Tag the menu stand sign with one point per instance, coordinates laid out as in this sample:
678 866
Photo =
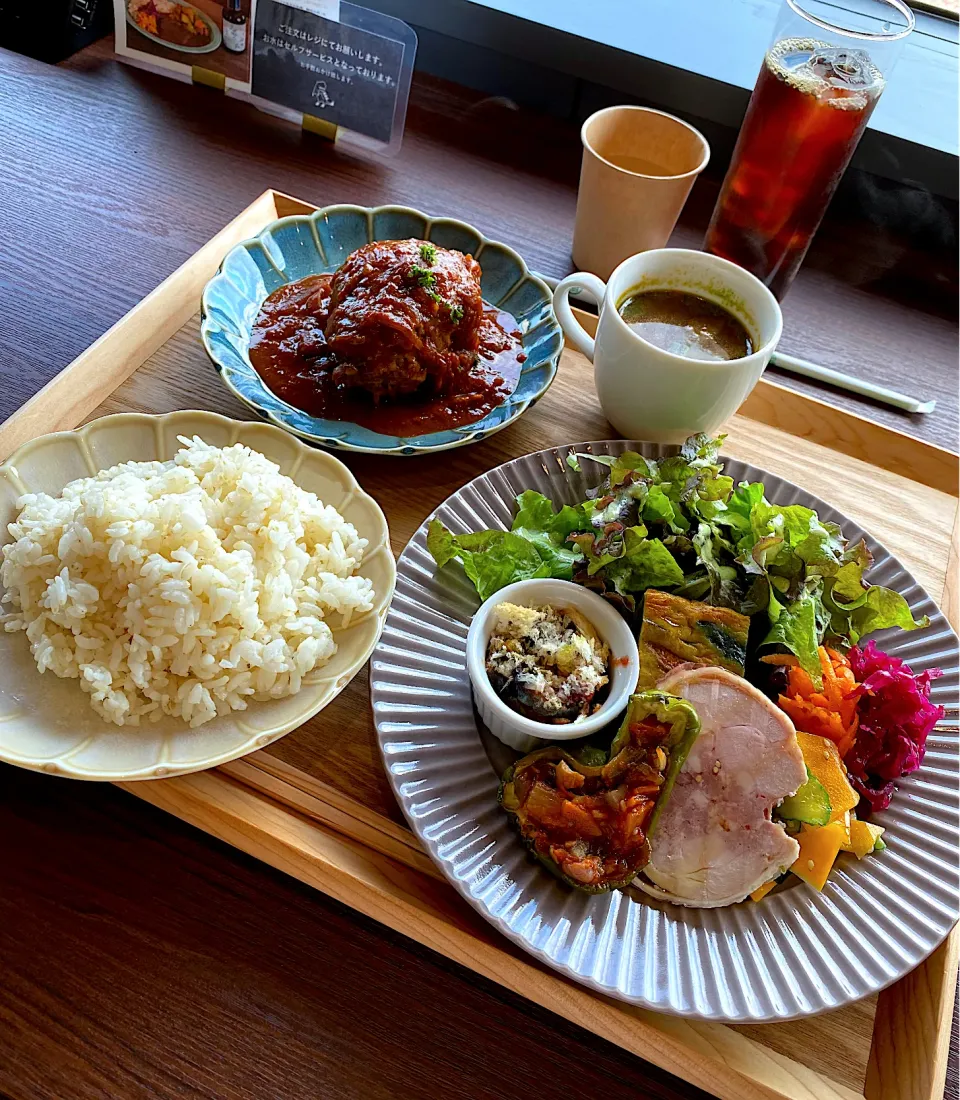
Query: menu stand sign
343 69
326 68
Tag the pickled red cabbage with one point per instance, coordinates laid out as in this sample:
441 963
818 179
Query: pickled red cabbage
896 716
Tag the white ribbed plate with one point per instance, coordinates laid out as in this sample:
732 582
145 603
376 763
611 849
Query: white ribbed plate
47 724
796 952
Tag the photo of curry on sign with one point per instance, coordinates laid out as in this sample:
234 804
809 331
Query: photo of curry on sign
177 35
353 72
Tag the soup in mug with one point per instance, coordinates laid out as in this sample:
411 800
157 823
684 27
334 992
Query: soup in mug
686 324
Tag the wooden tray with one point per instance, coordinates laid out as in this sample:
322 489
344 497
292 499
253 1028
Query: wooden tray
293 806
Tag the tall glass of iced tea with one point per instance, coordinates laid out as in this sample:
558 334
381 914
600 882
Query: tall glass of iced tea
819 83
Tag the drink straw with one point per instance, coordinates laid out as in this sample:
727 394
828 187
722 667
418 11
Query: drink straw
843 381
793 365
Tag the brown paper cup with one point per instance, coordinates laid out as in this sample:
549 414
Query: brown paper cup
638 168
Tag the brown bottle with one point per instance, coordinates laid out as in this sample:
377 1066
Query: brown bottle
234 27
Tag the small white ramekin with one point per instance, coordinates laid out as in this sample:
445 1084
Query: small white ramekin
525 734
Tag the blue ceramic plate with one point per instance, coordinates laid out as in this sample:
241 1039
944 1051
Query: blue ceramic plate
293 247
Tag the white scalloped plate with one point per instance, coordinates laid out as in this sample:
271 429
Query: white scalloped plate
796 952
47 724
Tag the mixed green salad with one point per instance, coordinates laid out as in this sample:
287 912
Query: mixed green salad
680 524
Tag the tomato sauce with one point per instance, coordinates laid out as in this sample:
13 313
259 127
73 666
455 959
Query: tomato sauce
288 351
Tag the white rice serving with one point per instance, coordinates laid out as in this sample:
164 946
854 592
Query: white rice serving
184 588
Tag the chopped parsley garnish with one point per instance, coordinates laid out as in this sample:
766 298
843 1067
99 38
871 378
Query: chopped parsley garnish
423 277
427 281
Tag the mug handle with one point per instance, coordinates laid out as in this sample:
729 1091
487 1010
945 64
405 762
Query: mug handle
583 283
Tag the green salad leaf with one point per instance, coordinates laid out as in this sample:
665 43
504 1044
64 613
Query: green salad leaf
680 523
631 564
795 628
494 559
856 608
723 577
536 520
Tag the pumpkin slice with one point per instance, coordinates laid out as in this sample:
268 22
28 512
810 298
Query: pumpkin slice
863 838
819 848
762 891
822 758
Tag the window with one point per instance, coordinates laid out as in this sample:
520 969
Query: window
697 57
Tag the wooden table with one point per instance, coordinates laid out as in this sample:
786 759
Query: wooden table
139 956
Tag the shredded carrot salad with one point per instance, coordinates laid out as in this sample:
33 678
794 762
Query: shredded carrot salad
828 712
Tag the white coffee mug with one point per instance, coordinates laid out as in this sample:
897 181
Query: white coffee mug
651 394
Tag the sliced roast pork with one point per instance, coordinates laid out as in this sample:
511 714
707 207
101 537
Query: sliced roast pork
715 841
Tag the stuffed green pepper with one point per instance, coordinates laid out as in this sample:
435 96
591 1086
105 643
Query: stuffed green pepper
590 824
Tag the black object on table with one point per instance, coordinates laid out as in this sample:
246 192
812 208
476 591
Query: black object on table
51 30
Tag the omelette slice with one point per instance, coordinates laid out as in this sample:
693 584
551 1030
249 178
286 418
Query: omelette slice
684 633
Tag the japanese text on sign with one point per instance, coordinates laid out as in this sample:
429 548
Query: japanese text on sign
358 71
